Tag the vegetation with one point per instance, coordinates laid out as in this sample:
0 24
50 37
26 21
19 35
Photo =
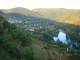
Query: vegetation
70 20
17 44
61 14
21 10
12 40
72 31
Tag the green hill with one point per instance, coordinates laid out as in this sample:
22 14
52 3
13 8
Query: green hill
12 42
48 13
17 44
56 13
71 20
21 10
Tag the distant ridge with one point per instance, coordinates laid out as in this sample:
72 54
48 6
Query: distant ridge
21 10
48 13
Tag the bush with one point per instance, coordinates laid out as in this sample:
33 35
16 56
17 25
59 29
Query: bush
35 57
29 54
53 53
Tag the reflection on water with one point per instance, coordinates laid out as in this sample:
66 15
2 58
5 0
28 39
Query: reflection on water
62 37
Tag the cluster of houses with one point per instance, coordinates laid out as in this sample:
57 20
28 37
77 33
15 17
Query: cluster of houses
14 21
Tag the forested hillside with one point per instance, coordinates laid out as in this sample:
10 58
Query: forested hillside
17 44
21 10
61 14
71 20
12 42
49 13
32 38
56 13
6 16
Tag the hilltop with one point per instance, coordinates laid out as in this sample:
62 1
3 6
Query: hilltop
48 13
21 10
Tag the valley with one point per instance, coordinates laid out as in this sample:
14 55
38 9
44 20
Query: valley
28 34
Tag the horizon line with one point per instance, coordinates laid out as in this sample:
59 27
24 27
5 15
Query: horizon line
39 8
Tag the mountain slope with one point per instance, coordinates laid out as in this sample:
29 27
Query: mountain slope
16 44
56 13
21 10
71 20
13 40
6 16
48 13
69 16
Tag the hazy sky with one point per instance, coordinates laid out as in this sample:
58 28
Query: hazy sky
31 4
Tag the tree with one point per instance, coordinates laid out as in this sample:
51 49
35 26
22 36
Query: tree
35 57
29 54
1 30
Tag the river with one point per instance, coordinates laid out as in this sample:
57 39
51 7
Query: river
62 37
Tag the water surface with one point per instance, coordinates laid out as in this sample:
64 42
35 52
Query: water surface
62 37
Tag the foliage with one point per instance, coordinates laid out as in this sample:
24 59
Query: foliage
48 13
35 57
9 33
29 54
70 20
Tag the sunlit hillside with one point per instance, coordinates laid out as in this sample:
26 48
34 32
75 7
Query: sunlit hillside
49 13
71 20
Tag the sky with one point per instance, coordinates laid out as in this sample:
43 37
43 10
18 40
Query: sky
32 4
